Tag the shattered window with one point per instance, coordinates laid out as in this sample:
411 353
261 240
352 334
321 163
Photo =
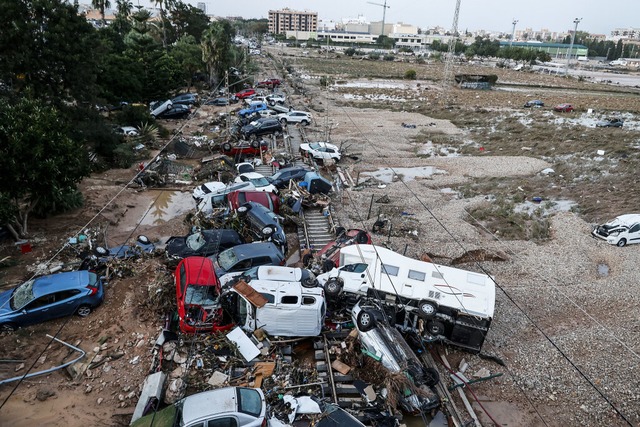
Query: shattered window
22 295
196 241
201 295
227 259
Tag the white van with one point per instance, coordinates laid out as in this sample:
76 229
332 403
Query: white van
279 308
456 305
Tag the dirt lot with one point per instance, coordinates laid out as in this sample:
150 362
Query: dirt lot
566 327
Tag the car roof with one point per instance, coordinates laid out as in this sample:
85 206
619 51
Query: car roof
627 219
208 403
248 250
45 285
200 270
252 175
281 273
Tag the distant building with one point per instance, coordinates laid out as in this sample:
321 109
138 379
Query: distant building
281 21
555 50
346 37
202 6
626 33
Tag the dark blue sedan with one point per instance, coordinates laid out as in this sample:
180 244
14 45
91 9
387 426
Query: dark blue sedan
49 297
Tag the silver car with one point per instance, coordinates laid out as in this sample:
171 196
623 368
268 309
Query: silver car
224 407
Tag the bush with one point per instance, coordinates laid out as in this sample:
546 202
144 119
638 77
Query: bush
410 75
350 51
64 200
123 156
132 115
374 56
389 57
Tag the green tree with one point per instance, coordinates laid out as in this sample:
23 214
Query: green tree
165 6
101 5
188 20
38 159
188 55
217 52
48 49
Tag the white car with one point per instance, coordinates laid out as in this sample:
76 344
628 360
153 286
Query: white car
258 180
207 188
276 98
320 150
621 231
295 117
268 113
273 273
128 131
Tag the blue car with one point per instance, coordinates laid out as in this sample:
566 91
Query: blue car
49 297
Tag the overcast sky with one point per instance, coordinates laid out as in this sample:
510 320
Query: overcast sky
598 16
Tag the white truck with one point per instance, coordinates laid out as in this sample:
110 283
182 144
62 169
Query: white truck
447 303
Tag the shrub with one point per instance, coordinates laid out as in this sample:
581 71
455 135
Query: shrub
374 56
389 57
410 75
350 51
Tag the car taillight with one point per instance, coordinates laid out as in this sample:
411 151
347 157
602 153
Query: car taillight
92 290
264 422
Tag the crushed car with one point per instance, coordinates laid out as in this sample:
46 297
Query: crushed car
620 231
202 243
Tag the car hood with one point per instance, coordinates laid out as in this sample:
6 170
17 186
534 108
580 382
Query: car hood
4 302
177 246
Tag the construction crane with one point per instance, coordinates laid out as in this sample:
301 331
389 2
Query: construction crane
384 13
448 65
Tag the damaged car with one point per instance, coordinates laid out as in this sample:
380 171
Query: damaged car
202 243
263 224
620 231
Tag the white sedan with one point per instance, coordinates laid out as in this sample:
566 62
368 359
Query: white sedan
320 150
258 180
295 117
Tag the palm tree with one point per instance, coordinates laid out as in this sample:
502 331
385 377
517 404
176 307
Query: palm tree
216 49
164 5
101 5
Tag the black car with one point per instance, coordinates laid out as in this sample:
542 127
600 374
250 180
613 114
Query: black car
243 257
177 111
281 178
610 123
186 99
265 126
263 224
217 101
535 103
202 243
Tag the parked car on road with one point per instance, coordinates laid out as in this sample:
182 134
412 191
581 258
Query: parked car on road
259 181
245 93
535 103
563 108
202 243
49 297
260 127
198 297
620 231
320 151
186 99
294 116
610 123
243 257
281 178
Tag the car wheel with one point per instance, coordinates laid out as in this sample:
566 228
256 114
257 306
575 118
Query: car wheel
7 327
255 143
283 122
226 146
242 210
431 377
333 287
268 230
365 321
307 260
428 309
435 328
304 122
309 283
362 237
328 265
621 243
272 103
99 250
84 310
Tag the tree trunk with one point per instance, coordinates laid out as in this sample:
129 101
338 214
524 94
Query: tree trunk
13 232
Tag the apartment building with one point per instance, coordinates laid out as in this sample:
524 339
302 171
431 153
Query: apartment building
281 21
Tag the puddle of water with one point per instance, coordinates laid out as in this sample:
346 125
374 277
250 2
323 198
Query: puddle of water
603 270
167 205
386 174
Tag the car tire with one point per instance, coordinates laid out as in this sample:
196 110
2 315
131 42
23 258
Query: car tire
101 251
431 377
333 287
304 122
427 309
272 103
328 265
435 328
8 327
309 283
84 310
226 147
242 210
255 143
362 237
307 260
268 230
365 321
621 243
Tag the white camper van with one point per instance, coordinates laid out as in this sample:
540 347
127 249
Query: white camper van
453 304
280 308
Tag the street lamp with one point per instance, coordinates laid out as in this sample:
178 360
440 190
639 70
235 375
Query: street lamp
513 31
573 37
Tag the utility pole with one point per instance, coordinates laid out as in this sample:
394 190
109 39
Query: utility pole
513 32
384 13
573 37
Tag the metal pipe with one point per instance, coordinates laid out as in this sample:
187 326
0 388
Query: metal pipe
46 371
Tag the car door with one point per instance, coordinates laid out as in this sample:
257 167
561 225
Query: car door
38 310
354 276
65 303
634 234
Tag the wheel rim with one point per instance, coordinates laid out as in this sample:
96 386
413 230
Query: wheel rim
365 319
622 242
427 309
84 311
332 287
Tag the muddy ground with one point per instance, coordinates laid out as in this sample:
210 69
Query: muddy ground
482 157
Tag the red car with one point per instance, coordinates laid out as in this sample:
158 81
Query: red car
563 108
329 255
271 83
267 199
198 294
244 148
245 93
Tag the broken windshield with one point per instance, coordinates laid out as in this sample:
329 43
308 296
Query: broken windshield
227 259
201 295
23 295
195 241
